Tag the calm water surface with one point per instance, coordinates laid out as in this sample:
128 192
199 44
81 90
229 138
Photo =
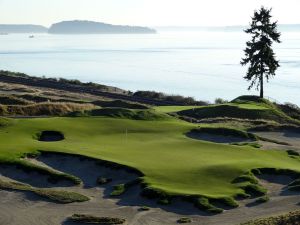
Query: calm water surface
204 65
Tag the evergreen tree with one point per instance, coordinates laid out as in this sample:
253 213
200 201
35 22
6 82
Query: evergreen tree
259 53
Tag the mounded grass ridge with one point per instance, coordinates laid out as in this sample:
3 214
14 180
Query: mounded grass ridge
244 107
122 113
43 109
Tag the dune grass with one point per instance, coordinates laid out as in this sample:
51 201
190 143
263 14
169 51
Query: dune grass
184 220
51 194
159 149
115 112
43 109
89 219
292 218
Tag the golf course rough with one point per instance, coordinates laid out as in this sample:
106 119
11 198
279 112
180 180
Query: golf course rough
170 161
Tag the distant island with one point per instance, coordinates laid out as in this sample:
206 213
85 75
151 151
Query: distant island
22 28
75 27
90 27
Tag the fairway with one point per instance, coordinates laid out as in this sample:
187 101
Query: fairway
169 160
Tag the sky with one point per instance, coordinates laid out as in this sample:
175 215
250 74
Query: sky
146 12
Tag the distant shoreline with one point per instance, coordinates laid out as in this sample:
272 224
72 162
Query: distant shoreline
75 27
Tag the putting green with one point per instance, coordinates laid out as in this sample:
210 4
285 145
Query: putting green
169 160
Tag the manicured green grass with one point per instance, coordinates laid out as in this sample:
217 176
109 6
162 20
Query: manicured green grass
169 160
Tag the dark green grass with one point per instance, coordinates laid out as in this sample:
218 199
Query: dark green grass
118 190
203 203
254 190
263 199
89 219
246 178
5 122
61 196
184 220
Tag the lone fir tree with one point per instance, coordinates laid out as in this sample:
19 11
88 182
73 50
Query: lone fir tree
259 53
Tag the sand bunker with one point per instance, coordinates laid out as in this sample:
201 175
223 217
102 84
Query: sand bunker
23 208
287 136
217 138
50 136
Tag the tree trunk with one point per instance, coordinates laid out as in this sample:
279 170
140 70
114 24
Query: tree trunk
262 85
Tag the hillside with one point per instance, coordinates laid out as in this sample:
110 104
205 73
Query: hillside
144 97
90 27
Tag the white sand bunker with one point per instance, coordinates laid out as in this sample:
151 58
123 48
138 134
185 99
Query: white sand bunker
51 136
217 138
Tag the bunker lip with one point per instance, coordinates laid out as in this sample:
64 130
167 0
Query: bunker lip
217 138
51 136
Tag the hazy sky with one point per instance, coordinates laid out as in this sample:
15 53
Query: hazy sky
145 12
